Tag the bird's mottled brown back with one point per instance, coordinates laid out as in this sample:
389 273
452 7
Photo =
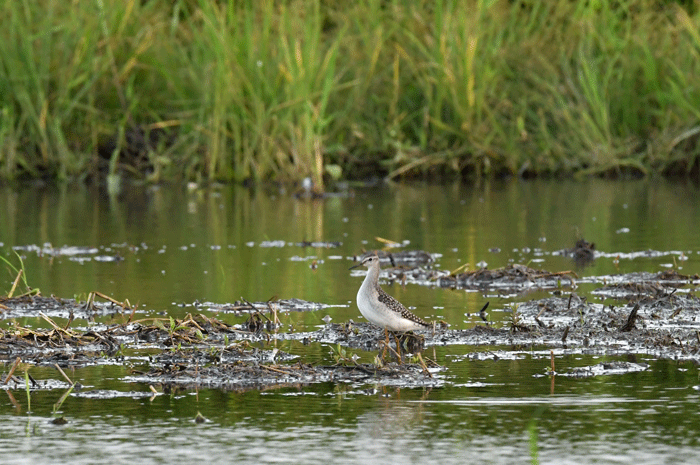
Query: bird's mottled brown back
398 307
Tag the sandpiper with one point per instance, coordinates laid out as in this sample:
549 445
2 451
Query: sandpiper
379 307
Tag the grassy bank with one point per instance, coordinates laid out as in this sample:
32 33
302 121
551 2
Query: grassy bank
205 89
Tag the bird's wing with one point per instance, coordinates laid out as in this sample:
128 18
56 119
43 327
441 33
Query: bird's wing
398 307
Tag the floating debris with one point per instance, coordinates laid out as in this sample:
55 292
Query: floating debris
41 384
634 286
75 253
281 305
45 344
201 351
240 377
320 244
273 244
667 327
512 278
112 394
33 305
281 243
406 258
237 353
583 252
66 250
606 369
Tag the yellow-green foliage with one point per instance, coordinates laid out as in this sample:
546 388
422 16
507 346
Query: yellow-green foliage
281 89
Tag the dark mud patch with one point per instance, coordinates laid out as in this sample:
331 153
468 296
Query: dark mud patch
269 308
243 376
54 307
518 279
65 346
512 278
232 354
50 346
242 365
112 394
367 337
362 336
605 369
666 327
404 258
18 382
197 351
636 286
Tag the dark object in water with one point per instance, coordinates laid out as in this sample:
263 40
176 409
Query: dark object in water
583 252
629 325
482 312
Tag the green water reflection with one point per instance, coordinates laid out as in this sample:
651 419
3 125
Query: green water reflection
217 245
179 247
605 420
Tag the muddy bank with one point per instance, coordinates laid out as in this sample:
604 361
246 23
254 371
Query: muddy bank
652 314
519 279
244 376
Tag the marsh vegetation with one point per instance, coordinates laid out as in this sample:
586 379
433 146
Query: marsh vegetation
285 90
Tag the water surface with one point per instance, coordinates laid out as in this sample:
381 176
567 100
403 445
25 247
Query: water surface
179 249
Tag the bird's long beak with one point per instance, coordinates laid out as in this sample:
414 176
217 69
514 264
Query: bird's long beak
355 266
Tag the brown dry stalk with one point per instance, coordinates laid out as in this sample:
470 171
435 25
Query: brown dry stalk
14 284
55 326
12 370
70 320
386 241
551 354
64 374
189 319
123 305
268 367
425 368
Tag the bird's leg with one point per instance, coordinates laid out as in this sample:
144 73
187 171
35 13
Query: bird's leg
398 348
386 343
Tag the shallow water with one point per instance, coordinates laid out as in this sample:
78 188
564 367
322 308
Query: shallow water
179 250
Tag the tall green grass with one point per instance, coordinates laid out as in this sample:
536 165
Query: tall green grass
260 81
285 90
